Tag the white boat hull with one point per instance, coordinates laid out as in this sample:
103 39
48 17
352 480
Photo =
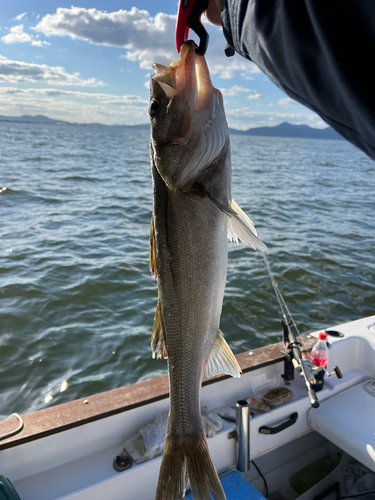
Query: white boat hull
76 463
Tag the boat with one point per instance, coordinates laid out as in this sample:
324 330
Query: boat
296 451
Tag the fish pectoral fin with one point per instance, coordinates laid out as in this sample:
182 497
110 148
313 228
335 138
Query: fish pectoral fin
153 253
240 226
222 359
157 336
197 187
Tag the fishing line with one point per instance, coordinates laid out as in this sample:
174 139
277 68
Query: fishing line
281 300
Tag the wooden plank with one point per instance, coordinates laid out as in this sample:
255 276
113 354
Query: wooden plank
82 411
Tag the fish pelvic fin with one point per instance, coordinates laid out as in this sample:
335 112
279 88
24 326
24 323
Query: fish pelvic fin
222 359
157 336
240 226
153 253
188 459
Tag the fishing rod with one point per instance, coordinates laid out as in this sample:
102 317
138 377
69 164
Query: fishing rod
296 355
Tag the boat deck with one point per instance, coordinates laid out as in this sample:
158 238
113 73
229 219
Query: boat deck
66 452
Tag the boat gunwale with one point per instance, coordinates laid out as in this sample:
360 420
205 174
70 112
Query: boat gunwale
59 418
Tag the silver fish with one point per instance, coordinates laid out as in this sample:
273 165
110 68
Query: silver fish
192 214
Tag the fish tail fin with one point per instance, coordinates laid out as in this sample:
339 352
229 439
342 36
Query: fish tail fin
172 475
188 460
202 473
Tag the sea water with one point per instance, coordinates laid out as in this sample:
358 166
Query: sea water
77 301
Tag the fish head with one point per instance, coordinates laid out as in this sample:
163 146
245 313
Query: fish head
188 124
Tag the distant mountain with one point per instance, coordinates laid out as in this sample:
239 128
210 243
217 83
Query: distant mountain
49 121
288 130
283 130
31 119
141 126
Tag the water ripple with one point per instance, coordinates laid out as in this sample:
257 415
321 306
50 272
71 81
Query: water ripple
77 300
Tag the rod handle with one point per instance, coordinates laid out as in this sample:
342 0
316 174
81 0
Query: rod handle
337 370
312 398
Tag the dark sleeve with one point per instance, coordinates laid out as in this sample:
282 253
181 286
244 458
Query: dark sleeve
319 52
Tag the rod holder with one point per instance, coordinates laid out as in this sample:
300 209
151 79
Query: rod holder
243 435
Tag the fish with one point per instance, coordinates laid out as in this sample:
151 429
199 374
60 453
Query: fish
193 212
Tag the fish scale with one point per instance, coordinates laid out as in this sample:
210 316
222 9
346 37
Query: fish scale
192 212
187 227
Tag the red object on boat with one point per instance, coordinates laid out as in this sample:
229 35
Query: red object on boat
319 353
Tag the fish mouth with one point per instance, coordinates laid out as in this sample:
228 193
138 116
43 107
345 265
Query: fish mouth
188 124
188 76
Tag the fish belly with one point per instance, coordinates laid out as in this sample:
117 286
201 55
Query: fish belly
191 243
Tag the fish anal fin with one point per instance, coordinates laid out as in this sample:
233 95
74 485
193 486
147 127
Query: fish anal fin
157 336
222 360
240 226
153 253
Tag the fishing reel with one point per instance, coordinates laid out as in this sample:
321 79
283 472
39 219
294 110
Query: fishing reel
296 357
315 373
295 354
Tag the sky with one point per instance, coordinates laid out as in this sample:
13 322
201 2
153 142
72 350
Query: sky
91 63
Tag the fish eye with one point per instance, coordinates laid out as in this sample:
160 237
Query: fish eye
154 106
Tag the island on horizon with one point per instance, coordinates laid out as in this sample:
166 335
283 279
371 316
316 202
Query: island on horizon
284 129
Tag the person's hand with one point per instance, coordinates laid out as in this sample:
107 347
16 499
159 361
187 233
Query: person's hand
213 12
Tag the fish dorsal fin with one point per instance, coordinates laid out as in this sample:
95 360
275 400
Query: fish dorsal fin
153 254
240 226
157 336
222 359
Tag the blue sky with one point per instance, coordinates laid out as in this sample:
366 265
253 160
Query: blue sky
91 63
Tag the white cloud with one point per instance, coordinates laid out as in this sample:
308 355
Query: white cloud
17 35
123 100
39 43
234 90
247 77
18 71
74 106
20 16
287 102
227 68
244 118
98 107
145 38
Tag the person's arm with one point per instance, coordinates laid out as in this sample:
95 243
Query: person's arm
320 53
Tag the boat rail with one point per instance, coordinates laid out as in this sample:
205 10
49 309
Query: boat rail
66 416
